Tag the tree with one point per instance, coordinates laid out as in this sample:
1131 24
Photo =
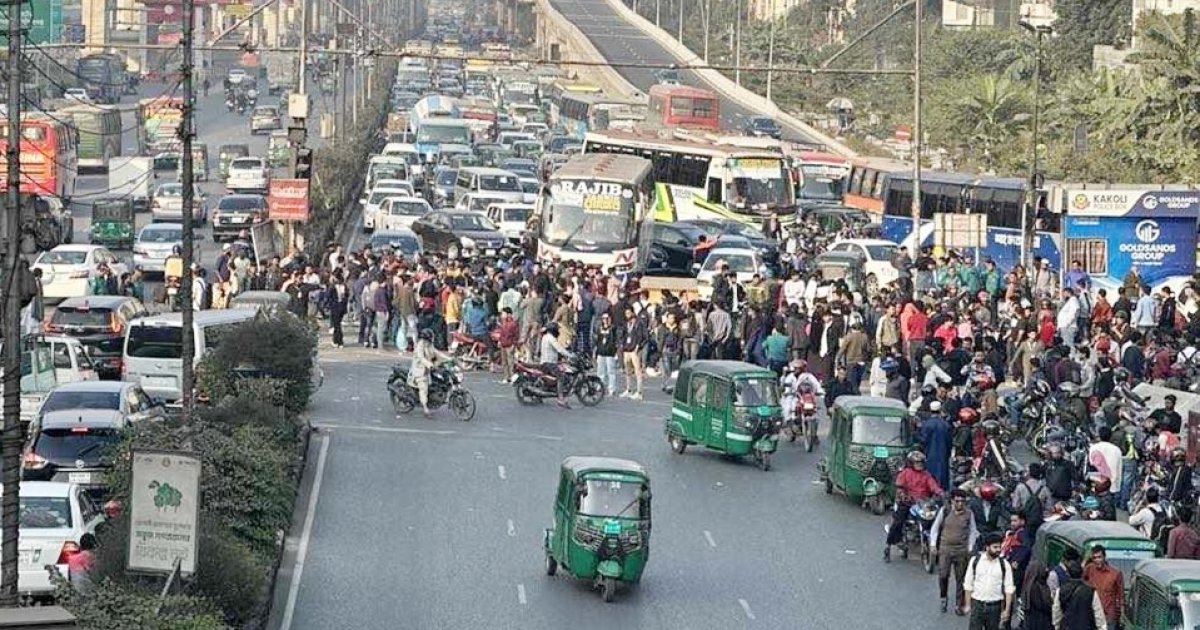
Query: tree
1083 24
992 112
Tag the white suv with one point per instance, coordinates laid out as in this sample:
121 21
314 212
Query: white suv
248 174
876 255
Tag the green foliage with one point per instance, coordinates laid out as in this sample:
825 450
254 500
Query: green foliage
121 605
278 346
1083 24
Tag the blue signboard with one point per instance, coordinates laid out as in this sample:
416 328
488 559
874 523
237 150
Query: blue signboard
1113 231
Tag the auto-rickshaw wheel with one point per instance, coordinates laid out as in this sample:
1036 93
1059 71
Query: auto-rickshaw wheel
876 505
551 564
608 588
677 443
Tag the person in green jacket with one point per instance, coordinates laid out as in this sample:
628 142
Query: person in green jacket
992 280
776 348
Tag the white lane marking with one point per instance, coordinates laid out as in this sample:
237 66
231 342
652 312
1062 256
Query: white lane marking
512 529
305 534
555 438
384 429
709 537
746 608
521 594
503 473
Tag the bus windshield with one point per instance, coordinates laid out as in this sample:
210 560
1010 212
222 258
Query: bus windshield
447 134
759 182
585 219
820 186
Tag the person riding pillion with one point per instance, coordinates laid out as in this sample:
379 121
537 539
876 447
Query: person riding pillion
551 352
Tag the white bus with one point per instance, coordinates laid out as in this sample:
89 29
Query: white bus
593 209
699 176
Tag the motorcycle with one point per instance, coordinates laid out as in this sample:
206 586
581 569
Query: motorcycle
229 104
445 388
916 532
533 384
806 417
474 353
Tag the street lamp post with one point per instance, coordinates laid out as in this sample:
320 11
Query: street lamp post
916 132
1027 222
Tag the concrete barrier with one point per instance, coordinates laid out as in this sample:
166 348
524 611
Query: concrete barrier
581 49
722 84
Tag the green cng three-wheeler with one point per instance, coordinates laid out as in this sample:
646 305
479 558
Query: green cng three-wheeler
112 223
601 526
1123 545
727 406
279 149
868 439
1163 595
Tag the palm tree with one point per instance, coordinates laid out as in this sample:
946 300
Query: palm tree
992 111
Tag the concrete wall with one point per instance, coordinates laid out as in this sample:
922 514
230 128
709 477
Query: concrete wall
726 86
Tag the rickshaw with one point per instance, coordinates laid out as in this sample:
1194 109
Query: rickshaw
279 149
1124 545
228 153
868 439
601 528
113 223
728 406
1163 594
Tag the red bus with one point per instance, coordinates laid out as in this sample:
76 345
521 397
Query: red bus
684 106
49 159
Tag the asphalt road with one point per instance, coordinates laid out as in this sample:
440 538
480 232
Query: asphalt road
435 523
622 42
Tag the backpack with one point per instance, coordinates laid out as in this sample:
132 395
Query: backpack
1160 528
1003 567
1032 509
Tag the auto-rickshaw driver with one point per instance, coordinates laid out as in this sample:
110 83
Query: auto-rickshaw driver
913 484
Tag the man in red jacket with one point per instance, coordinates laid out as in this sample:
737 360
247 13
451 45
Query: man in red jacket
913 484
508 334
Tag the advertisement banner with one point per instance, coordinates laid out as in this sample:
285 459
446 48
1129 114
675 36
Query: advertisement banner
287 200
1133 203
1159 248
164 508
41 19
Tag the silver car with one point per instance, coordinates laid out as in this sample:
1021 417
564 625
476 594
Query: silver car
158 241
167 204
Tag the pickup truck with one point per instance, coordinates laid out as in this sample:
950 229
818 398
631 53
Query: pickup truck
248 174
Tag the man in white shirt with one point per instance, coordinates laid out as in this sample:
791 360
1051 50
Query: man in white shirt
1068 317
988 587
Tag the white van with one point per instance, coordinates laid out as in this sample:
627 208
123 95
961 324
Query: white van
71 360
154 348
492 182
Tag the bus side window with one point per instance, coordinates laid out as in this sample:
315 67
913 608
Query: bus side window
714 190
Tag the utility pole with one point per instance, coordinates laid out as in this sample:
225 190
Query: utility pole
187 177
771 50
1031 196
10 448
657 12
707 23
737 44
679 36
916 132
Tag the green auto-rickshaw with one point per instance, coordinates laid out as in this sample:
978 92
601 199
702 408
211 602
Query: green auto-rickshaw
601 526
869 437
113 223
1163 595
727 406
279 149
1124 546
228 153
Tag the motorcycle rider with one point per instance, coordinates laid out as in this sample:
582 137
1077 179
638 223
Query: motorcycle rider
1106 508
913 484
1179 486
795 381
952 537
991 513
551 353
994 460
425 358
1061 474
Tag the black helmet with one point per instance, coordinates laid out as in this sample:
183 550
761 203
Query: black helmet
552 328
991 428
928 390
426 334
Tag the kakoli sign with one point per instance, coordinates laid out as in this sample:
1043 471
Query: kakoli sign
1133 202
287 200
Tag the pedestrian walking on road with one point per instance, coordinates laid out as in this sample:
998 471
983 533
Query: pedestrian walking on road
338 301
952 537
988 587
1077 606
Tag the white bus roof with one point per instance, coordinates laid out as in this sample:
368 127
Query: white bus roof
704 144
604 166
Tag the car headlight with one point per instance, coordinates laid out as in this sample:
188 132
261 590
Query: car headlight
467 242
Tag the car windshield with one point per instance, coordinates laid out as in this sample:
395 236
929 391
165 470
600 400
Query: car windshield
161 235
499 182
471 222
62 258
408 208
170 190
378 196
265 111
530 186
154 342
246 163
91 318
45 513
738 263
239 203
880 252
753 392
59 400
447 177
517 215
435 134
819 185
611 498
404 243
772 191
877 430
69 444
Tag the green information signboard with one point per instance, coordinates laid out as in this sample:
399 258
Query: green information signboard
42 20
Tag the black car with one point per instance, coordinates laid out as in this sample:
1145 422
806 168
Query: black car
671 249
724 229
460 233
236 213
763 126
99 323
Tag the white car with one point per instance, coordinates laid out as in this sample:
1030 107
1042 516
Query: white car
78 94
401 212
510 218
396 184
742 261
373 200
248 174
156 243
54 517
66 269
877 259
166 204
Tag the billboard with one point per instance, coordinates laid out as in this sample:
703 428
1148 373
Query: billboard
42 19
287 200
1115 231
164 508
